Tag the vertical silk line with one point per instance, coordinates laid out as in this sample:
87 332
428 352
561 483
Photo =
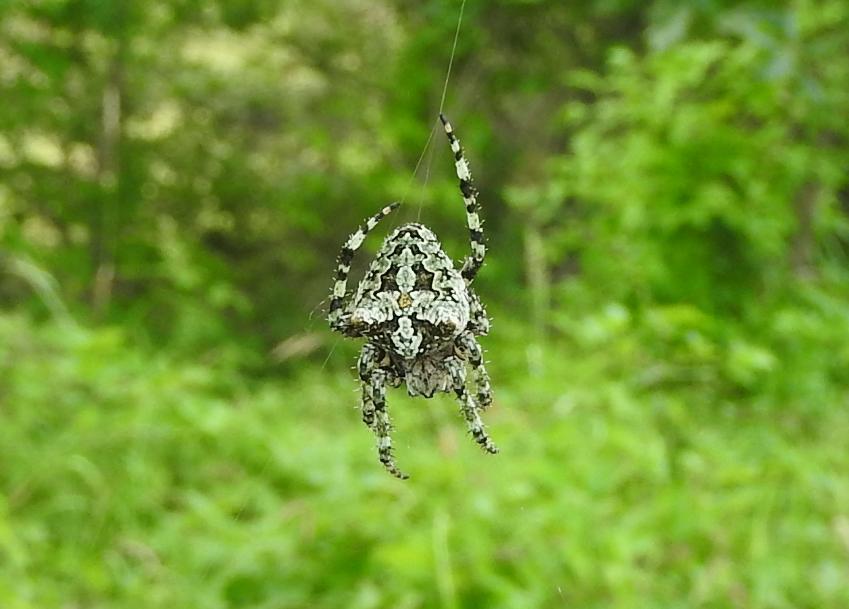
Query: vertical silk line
418 164
451 60
427 175
441 107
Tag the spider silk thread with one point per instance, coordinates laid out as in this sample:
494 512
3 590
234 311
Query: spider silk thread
428 143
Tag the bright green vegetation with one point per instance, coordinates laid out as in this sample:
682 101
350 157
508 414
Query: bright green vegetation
136 481
666 189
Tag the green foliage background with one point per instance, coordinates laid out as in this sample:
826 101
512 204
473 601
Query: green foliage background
666 193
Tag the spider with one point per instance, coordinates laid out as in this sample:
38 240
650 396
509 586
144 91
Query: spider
419 316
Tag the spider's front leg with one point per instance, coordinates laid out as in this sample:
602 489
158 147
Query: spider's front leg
470 410
470 350
338 318
473 263
375 415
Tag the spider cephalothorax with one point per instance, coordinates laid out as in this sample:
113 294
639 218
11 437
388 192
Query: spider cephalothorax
419 316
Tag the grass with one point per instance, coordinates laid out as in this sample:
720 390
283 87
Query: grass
130 479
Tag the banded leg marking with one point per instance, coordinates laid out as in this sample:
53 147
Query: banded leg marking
382 425
472 264
471 350
478 322
367 367
335 317
469 409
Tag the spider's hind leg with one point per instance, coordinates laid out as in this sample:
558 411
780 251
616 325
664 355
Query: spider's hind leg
375 415
383 427
470 350
367 365
470 409
478 319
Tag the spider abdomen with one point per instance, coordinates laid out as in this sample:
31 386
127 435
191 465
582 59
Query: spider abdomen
412 300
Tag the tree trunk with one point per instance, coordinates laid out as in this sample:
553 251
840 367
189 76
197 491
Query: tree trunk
104 240
802 245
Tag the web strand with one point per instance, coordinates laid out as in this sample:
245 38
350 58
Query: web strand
427 176
441 107
451 59
418 164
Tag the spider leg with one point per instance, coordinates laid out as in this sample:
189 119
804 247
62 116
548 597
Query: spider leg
367 365
470 410
337 319
478 319
469 349
383 427
472 264
375 414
